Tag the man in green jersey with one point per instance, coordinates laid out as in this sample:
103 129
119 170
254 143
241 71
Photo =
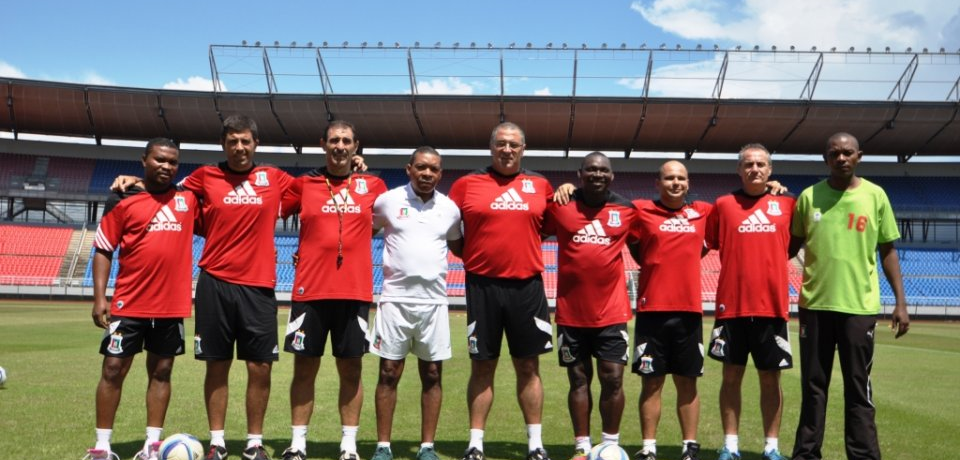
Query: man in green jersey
843 221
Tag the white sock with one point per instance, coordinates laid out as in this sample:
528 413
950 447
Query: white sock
216 438
649 446
732 443
770 445
684 444
254 440
582 443
426 445
348 443
153 435
476 439
299 439
103 438
534 440
383 444
610 437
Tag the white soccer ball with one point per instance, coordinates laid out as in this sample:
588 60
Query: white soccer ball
3 376
608 451
180 446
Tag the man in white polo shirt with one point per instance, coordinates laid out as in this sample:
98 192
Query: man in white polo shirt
419 225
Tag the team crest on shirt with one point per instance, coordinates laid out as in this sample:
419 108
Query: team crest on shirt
119 304
180 203
361 187
527 186
691 213
817 215
116 344
773 208
261 179
404 213
614 219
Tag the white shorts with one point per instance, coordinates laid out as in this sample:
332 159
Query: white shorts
420 329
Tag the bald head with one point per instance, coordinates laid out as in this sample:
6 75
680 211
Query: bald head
672 166
845 138
673 184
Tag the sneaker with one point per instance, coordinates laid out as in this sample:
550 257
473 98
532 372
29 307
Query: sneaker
291 454
725 454
100 454
382 453
427 453
644 455
473 454
255 453
691 451
538 454
344 455
580 454
774 455
216 453
150 452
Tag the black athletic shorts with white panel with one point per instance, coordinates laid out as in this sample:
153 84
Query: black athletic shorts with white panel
667 342
345 321
606 343
126 336
766 339
517 307
228 314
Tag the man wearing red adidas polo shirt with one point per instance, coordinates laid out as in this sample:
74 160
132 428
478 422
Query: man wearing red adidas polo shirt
751 229
669 320
502 208
333 285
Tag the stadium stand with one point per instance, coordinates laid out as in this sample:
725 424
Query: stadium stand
32 255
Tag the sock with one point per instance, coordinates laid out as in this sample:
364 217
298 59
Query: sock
732 443
426 445
770 445
348 443
582 443
649 446
216 438
685 442
534 440
610 437
383 444
476 439
299 439
103 438
153 435
254 440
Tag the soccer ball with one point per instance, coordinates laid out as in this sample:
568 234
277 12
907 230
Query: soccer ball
3 376
180 446
608 451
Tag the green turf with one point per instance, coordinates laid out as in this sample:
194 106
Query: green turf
50 352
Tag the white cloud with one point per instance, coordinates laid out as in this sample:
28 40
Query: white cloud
449 85
93 78
543 92
7 70
821 23
194 83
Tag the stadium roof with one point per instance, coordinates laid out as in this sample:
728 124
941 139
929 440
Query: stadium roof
650 120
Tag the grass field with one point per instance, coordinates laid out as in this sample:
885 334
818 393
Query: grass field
49 350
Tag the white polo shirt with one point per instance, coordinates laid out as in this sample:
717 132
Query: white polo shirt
415 244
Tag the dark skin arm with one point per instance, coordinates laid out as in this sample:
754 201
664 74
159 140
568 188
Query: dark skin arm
101 273
796 243
891 269
456 246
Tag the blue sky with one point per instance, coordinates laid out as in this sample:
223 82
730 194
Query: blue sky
164 44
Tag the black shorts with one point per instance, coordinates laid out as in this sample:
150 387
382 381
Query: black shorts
607 343
160 336
766 339
668 343
344 320
228 314
516 307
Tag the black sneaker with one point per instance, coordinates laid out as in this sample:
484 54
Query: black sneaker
473 454
691 451
255 453
216 453
538 454
292 454
644 455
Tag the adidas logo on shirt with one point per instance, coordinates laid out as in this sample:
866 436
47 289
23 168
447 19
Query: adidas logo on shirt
243 194
592 234
510 201
342 201
164 221
757 223
677 225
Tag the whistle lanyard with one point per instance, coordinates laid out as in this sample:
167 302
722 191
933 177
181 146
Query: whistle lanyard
337 205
